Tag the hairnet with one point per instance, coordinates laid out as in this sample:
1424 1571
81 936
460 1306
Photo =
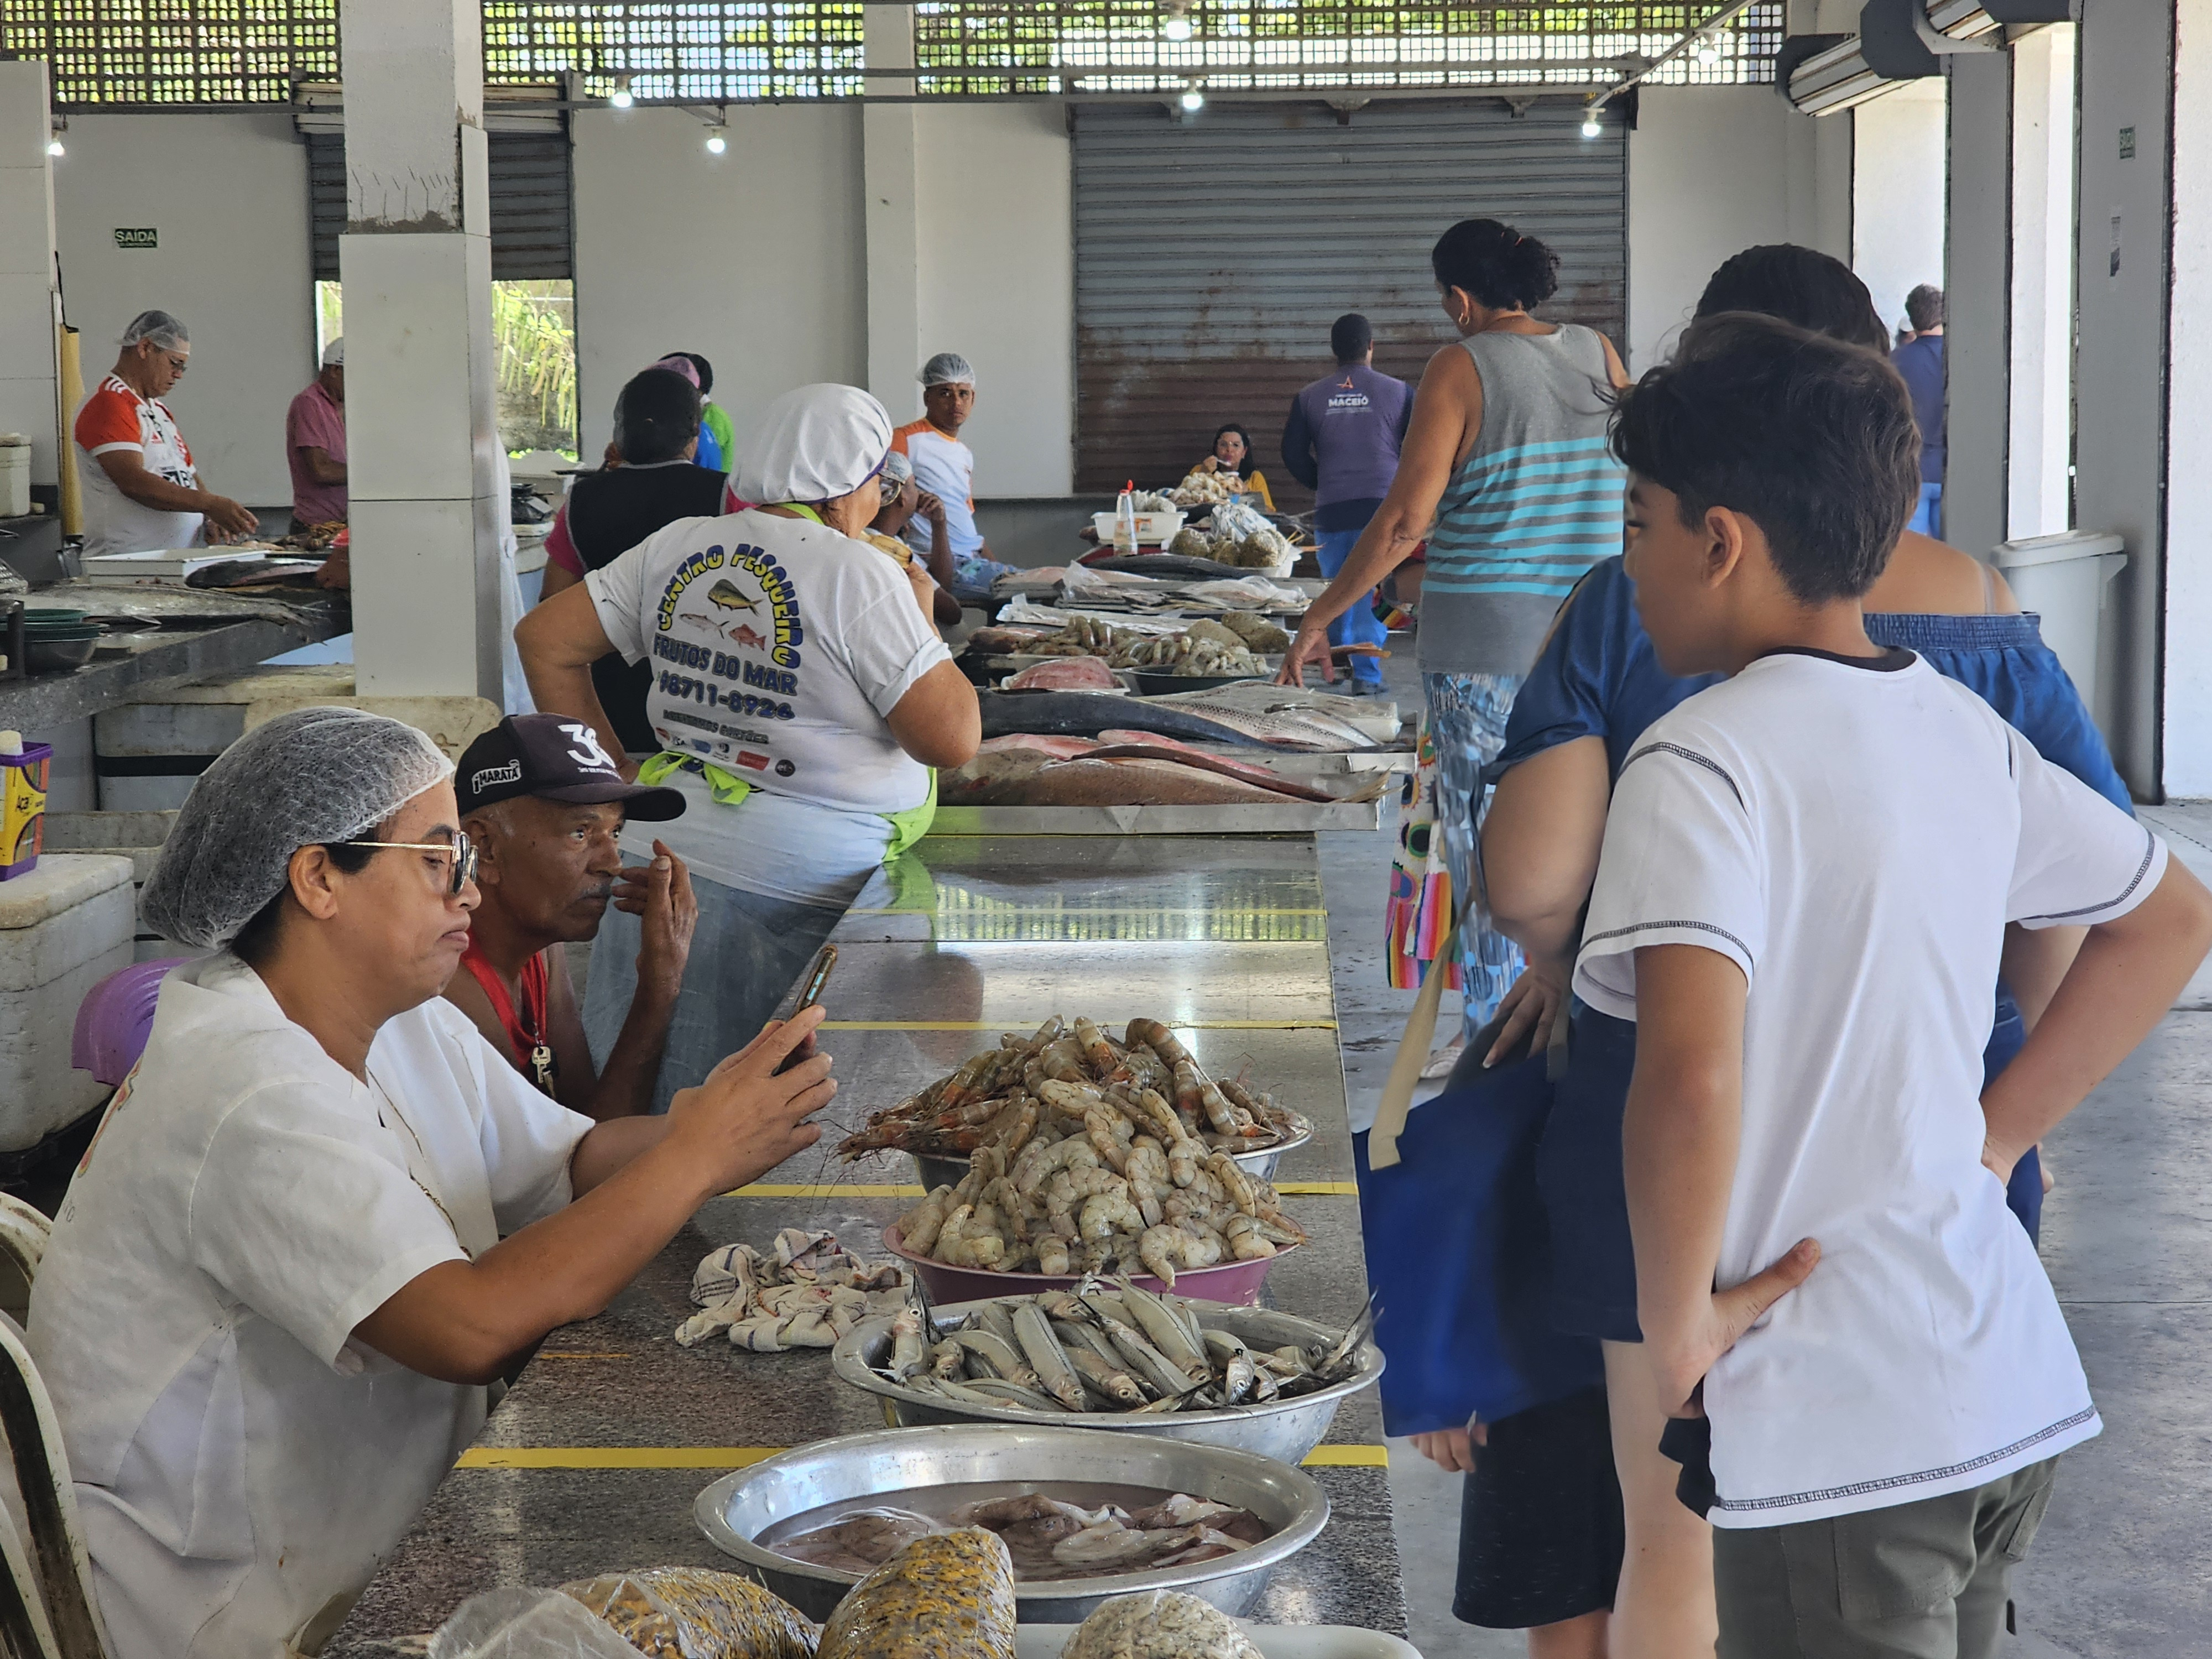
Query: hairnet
163 329
814 445
897 470
334 354
947 368
312 777
677 363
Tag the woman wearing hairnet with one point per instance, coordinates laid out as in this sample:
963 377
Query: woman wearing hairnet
322 1214
800 697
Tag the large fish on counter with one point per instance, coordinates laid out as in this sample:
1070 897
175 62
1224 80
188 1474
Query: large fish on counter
1131 773
1087 714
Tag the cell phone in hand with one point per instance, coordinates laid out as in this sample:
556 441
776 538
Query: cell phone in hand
810 993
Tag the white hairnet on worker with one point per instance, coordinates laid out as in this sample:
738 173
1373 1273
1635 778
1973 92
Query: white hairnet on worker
814 445
305 779
947 368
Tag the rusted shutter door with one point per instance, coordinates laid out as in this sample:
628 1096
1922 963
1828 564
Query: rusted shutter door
1210 258
530 196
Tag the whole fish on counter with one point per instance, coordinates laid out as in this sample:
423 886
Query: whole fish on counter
1087 713
1138 774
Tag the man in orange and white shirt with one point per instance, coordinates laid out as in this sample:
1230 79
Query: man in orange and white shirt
946 468
142 492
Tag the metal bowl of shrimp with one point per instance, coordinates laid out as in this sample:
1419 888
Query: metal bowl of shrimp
1117 1396
935 1172
1235 1282
909 1468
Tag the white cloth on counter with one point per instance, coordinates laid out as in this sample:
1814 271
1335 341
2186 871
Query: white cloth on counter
806 1293
241 1462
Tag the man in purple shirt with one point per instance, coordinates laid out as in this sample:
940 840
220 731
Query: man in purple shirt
1341 443
314 444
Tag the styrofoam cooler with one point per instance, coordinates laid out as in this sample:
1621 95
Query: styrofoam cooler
15 475
63 927
2062 579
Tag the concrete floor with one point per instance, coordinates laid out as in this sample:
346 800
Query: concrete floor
2121 1567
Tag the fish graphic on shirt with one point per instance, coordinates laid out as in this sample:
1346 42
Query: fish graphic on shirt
751 638
728 595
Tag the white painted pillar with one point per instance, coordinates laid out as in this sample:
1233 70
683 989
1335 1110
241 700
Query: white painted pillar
1898 189
1977 295
420 432
2186 768
2038 497
28 399
2127 189
889 166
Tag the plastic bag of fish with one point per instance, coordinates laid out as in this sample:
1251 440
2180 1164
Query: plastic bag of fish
1101 1348
947 1596
1047 1538
673 1613
1159 1625
807 1292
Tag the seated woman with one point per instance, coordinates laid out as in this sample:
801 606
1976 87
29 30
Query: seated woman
800 697
323 1213
1232 452
650 479
904 500
1596 688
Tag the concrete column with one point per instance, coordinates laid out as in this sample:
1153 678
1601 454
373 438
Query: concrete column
28 402
2121 370
888 164
1977 290
1897 190
421 433
2039 496
2185 769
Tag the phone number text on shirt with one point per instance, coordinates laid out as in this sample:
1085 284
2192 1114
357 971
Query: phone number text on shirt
706 691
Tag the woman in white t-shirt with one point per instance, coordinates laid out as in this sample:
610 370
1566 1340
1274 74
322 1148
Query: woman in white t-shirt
283 1275
800 697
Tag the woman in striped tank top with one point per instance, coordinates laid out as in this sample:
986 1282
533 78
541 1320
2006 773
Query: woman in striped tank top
1506 473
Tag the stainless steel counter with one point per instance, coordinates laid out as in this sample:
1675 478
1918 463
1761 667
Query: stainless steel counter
593 1459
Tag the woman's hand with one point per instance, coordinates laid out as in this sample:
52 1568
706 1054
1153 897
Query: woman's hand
1312 646
1530 1009
1452 1450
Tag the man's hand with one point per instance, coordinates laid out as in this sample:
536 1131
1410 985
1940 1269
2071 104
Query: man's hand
1453 1450
660 893
1683 1356
226 515
1312 646
746 1118
1530 1007
932 508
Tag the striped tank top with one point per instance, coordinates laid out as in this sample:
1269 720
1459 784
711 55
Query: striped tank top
1538 501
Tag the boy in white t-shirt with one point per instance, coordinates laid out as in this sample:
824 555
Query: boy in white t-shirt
1806 874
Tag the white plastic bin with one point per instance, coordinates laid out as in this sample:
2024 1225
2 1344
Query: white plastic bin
63 928
15 475
2062 579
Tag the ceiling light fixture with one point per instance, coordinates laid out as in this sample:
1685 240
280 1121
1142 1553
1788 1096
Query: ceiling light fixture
621 98
1708 52
717 140
54 146
1193 101
1591 127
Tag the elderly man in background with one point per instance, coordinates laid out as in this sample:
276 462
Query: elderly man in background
545 806
142 492
946 468
315 444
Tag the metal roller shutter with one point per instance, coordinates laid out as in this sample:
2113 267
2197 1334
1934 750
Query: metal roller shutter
532 234
1210 258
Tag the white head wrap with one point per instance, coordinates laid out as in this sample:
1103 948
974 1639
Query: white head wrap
312 776
947 368
814 445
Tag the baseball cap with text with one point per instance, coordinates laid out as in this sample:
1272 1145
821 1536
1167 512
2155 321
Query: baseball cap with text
553 758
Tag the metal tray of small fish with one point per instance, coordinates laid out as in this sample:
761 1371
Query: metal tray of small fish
1291 817
746 1502
1284 1430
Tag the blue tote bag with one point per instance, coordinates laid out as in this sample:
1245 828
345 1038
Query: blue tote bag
1458 1254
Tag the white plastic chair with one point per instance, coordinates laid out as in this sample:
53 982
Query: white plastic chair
24 1233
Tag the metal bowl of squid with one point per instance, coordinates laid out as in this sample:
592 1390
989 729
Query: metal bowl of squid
1002 1461
935 1172
1284 1430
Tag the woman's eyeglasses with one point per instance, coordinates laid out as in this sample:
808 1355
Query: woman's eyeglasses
459 847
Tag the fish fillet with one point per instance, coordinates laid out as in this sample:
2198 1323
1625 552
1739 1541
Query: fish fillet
1066 674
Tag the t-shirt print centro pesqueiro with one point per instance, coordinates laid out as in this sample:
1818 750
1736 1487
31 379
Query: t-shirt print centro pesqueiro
778 647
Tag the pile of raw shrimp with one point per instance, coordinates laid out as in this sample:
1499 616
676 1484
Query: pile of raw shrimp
1100 1176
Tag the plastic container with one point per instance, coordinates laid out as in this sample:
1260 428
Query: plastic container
15 475
1236 1282
1124 523
1153 529
2062 579
23 771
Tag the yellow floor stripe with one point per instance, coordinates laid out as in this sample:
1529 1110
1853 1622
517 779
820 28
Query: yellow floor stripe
1003 1025
743 1457
864 1189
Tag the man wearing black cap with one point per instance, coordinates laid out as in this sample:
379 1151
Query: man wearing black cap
545 805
